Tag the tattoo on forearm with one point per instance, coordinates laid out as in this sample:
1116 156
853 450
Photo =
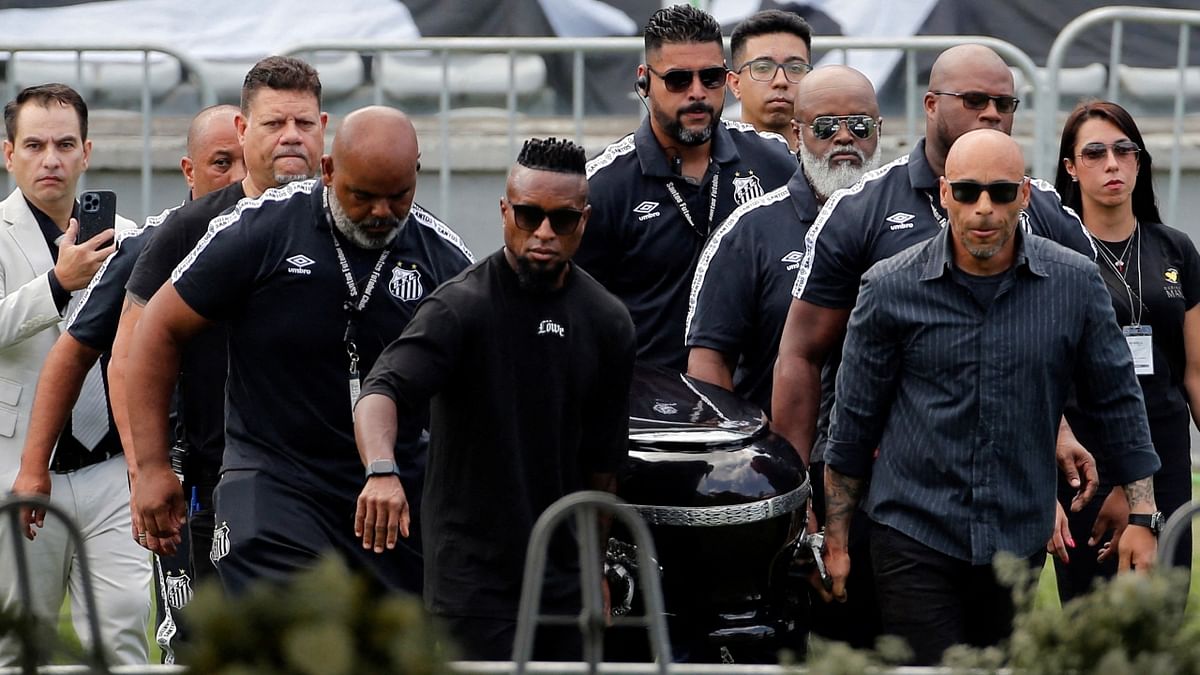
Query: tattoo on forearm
1140 492
841 497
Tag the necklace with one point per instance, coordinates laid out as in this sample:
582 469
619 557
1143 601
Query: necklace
1117 262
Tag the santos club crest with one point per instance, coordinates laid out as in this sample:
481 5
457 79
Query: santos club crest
405 284
746 188
179 590
220 544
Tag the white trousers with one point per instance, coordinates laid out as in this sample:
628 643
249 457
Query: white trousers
97 499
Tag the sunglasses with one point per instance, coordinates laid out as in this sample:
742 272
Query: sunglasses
530 218
764 70
1000 192
977 100
1093 154
678 81
825 127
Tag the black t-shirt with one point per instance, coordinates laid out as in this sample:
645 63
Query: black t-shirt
1168 266
204 361
639 242
530 394
98 313
743 284
269 269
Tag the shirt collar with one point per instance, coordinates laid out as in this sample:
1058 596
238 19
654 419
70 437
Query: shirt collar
920 174
941 256
803 197
48 227
653 158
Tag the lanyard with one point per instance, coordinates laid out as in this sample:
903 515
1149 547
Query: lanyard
353 308
687 214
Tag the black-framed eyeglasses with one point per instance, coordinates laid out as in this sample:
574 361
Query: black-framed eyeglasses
1000 192
530 218
764 70
678 81
825 127
978 100
1093 154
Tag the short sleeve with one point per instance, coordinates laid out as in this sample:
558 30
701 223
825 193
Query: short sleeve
223 267
1191 272
723 294
159 257
833 252
95 320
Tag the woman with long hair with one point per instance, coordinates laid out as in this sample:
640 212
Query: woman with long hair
1152 272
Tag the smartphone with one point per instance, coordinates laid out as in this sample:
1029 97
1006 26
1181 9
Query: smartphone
97 213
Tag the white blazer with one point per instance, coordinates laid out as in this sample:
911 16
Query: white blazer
29 322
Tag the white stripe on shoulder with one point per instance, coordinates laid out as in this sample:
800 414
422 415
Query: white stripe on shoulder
1046 186
151 222
427 219
746 127
714 244
218 224
814 231
610 154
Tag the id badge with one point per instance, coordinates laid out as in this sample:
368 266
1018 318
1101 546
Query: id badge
1140 345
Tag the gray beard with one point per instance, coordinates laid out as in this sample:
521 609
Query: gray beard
282 179
827 178
356 232
689 137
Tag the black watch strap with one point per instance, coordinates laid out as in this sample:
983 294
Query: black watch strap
382 467
1154 521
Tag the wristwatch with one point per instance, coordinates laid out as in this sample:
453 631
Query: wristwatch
382 467
1154 521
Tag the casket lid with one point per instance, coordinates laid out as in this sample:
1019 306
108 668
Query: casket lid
667 406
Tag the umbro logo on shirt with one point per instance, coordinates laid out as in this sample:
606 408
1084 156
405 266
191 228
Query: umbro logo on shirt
647 210
900 221
792 260
300 264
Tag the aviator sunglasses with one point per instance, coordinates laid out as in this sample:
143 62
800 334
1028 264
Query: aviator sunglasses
1000 192
678 81
977 100
826 126
530 218
1093 154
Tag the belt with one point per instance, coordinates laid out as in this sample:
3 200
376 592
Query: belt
67 462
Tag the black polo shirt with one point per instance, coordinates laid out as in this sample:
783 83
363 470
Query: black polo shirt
743 284
98 313
269 269
639 243
203 364
892 208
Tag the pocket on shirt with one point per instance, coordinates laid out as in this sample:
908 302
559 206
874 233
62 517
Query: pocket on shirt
10 396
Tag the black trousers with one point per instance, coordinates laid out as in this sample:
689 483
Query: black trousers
267 529
179 574
935 601
491 639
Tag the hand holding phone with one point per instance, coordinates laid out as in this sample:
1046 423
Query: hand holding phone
81 256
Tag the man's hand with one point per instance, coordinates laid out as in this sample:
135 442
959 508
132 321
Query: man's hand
1137 549
77 263
32 482
837 563
382 512
1114 516
1060 538
160 508
1078 466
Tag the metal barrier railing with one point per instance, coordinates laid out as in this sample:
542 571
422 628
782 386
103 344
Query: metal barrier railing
1044 165
30 652
207 95
581 47
586 506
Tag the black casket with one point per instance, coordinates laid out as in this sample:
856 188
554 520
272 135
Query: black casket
725 500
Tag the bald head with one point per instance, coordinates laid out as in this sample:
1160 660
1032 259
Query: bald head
377 133
837 77
372 173
985 155
214 155
966 62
